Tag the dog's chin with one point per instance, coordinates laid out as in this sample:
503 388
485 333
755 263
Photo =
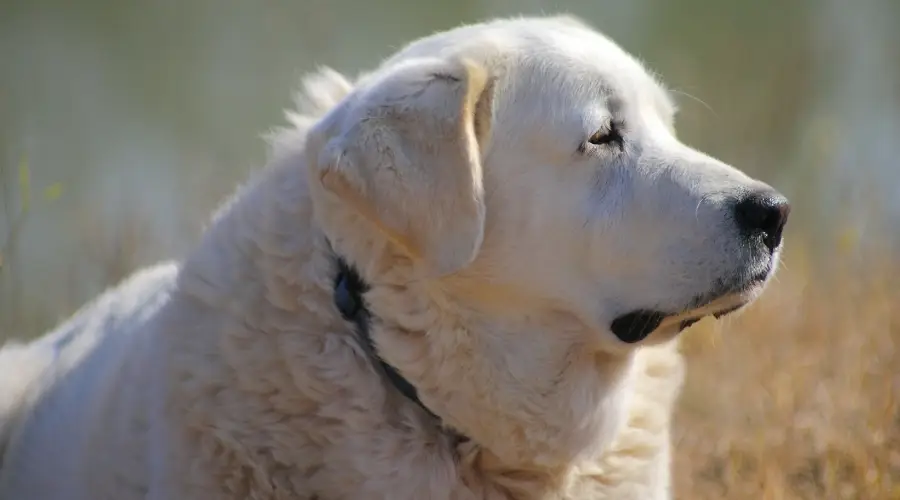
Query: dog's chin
635 326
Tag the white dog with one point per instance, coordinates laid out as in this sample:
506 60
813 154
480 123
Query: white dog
459 277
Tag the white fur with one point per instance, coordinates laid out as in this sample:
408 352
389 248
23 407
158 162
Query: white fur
499 247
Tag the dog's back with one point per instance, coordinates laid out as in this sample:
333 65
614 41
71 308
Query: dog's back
35 411
21 366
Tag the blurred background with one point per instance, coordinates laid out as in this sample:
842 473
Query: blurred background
123 124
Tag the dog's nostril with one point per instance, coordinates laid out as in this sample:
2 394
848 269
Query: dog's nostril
763 212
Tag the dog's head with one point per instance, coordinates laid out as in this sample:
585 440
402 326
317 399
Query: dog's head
528 171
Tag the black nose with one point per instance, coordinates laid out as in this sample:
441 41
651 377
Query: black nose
765 213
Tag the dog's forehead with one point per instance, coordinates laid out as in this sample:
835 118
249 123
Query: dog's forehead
582 67
551 59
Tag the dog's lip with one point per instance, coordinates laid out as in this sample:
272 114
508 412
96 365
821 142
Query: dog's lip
637 325
687 323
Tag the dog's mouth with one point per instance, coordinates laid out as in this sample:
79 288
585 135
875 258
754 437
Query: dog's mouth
637 325
724 299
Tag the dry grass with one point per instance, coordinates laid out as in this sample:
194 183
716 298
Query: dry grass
799 397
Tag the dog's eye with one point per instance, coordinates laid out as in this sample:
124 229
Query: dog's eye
607 136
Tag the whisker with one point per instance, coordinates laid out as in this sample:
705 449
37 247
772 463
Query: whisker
701 101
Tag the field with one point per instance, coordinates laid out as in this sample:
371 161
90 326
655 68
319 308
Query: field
799 396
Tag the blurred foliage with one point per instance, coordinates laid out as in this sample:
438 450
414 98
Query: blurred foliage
15 216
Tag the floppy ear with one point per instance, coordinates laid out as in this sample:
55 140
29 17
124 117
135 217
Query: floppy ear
407 158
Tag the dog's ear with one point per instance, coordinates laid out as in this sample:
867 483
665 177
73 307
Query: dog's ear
405 153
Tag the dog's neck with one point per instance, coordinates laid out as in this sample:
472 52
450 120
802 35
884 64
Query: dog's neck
542 421
538 414
349 288
520 385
